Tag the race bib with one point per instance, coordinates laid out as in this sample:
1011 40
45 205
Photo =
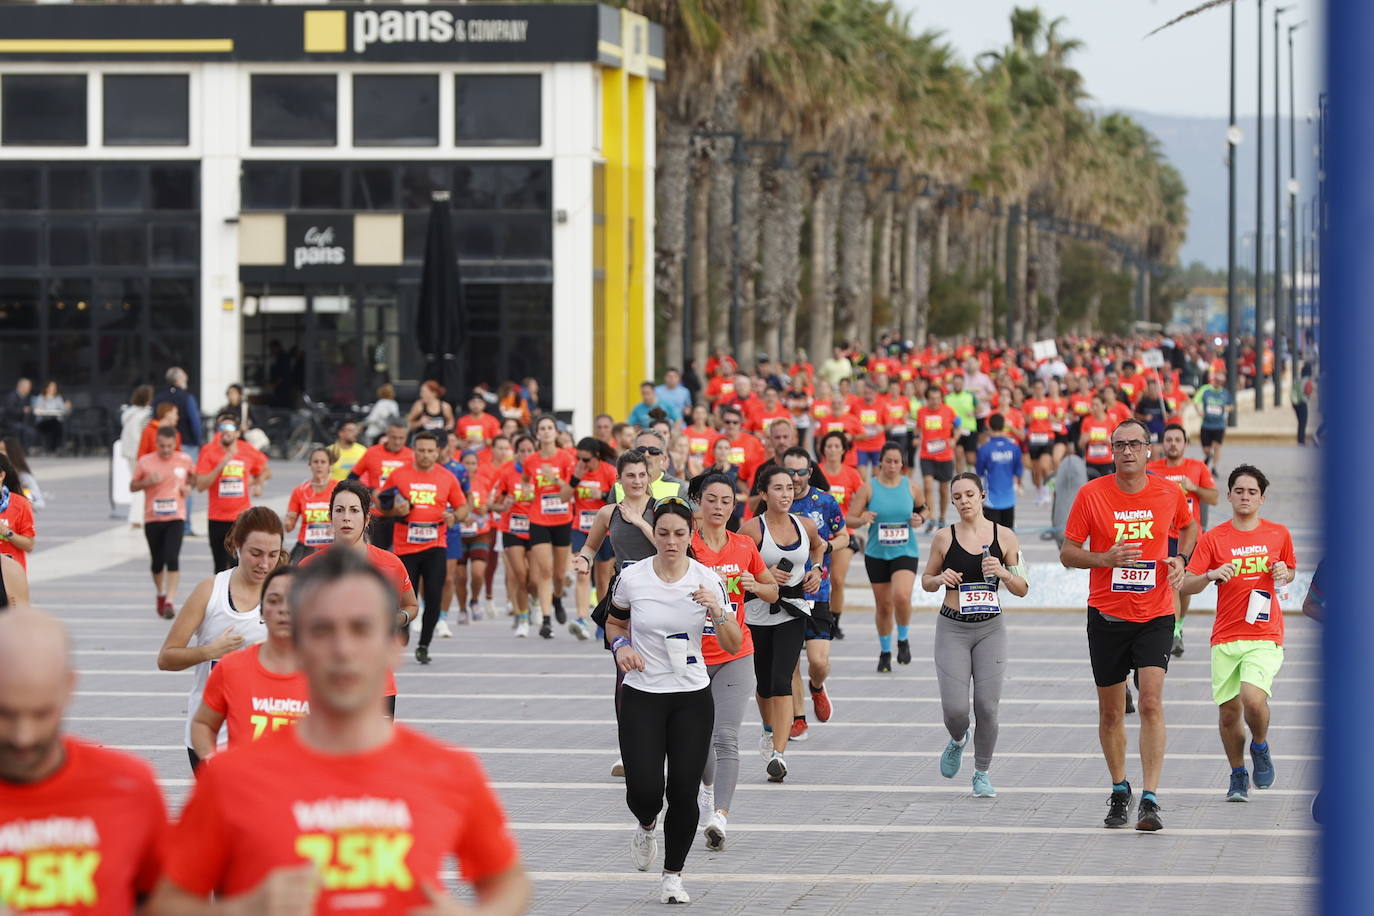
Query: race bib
697 446
318 534
166 506
1213 410
737 455
979 598
679 653
422 532
934 423
474 434
1039 438
468 529
893 534
1098 450
519 524
1134 577
553 505
585 519
937 445
1260 606
231 488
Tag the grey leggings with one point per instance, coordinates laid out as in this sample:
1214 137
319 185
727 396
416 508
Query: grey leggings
977 651
732 684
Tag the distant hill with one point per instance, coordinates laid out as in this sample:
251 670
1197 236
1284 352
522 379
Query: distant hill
1197 148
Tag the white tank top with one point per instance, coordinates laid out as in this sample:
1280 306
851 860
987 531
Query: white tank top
757 612
219 616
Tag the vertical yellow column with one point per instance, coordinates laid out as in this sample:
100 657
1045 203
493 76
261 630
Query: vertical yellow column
613 348
639 264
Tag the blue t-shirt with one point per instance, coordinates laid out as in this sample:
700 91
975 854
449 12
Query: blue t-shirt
999 464
455 467
639 416
822 509
1213 402
679 398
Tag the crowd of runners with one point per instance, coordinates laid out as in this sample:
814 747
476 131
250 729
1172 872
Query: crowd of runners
703 543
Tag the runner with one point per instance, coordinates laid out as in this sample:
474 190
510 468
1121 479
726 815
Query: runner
1095 439
430 412
594 479
844 483
1215 403
887 507
820 507
234 472
1126 517
429 500
965 407
795 550
1251 560
455 572
551 516
165 478
1151 410
346 451
14 585
736 560
338 789
374 468
17 532
1000 469
869 409
309 505
210 625
1039 411
477 428
939 429
665 605
972 559
84 825
1198 487
512 494
746 452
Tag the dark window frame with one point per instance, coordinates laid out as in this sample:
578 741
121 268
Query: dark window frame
178 136
521 140
298 81
10 81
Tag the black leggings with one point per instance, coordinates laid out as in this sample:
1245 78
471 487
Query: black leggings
776 649
428 569
676 726
164 543
217 532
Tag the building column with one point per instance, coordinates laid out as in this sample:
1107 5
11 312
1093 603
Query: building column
221 337
571 106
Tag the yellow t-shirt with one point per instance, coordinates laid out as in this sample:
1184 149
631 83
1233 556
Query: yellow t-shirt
344 460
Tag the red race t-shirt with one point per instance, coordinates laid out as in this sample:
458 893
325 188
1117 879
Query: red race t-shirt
1190 469
1081 404
477 432
229 492
19 516
385 562
872 418
845 423
377 465
746 454
592 489
86 841
430 493
738 555
512 482
1039 421
377 825
1102 515
936 425
1253 554
1099 436
549 475
700 441
312 507
843 485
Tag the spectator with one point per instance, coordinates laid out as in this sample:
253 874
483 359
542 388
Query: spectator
51 410
166 415
639 414
513 404
13 449
672 392
537 404
385 410
16 412
235 403
133 416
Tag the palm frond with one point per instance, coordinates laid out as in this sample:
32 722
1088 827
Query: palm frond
1190 13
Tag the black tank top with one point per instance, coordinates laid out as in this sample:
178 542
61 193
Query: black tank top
971 565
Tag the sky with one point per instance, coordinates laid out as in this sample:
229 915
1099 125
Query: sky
1180 71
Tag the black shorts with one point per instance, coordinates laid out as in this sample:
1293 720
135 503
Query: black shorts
509 540
1116 646
880 571
1213 436
1100 470
820 624
1036 452
776 648
1004 517
939 471
557 535
1063 438
969 443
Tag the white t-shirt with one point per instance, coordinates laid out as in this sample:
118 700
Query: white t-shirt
661 612
220 615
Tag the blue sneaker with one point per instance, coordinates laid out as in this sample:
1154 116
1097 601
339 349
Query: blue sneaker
1264 766
982 786
1240 787
952 757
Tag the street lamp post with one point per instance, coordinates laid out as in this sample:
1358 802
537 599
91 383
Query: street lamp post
1232 305
1259 210
1280 324
1293 347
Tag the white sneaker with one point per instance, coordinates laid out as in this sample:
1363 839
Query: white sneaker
715 831
474 611
777 768
442 630
706 803
672 891
522 628
766 745
488 609
415 625
643 848
578 629
618 768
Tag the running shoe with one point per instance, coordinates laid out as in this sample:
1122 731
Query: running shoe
839 634
715 831
161 603
820 702
930 526
579 629
442 630
1130 701
618 768
777 768
488 609
672 891
1177 650
706 803
982 786
522 628
1240 787
643 848
422 654
903 652
1118 808
1264 766
884 662
799 728
546 629
766 744
474 611
559 612
1147 817
168 610
953 757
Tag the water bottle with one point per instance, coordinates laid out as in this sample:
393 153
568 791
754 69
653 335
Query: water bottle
1282 592
989 578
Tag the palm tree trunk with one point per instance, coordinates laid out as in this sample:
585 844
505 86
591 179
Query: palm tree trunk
672 189
791 216
926 232
750 205
772 255
701 230
882 290
1018 327
999 271
863 317
1049 283
722 186
822 244
911 268
852 263
940 259
1033 267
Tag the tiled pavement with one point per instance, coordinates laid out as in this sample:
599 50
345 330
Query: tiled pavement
864 824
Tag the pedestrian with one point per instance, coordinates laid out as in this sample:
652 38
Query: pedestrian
593 480
550 470
1000 469
512 495
133 416
431 412
189 423
165 478
50 412
844 482
16 412
1199 488
384 411
234 472
1299 396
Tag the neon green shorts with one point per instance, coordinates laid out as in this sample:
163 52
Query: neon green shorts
1254 661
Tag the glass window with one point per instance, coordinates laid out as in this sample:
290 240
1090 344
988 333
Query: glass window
19 188
69 245
69 359
18 245
117 306
18 306
527 236
415 227
119 361
147 110
121 187
504 186
498 110
45 110
418 181
396 110
374 188
172 304
295 110
322 188
123 244
71 189
20 354
175 350
172 187
267 187
69 305
175 245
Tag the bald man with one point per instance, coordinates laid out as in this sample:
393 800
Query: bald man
80 825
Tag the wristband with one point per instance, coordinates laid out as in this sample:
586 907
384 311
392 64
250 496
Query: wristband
619 643
574 481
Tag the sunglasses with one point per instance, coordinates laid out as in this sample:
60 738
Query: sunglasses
650 450
227 427
675 501
799 472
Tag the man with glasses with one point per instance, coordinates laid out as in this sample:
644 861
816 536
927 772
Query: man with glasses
1125 518
234 472
661 484
746 452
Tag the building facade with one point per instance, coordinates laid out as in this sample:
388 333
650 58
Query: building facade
244 191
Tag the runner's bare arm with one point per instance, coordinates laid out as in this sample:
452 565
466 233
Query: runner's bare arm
936 576
205 730
1015 581
287 891
505 894
176 654
1075 556
858 514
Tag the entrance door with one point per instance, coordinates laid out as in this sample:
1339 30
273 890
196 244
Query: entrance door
296 341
